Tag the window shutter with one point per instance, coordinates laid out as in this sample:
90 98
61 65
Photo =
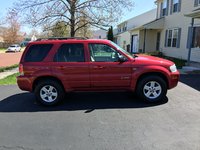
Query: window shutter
179 5
161 12
189 36
171 8
179 38
167 9
195 3
166 35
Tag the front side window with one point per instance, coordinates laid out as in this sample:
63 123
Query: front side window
196 38
70 53
36 53
103 53
172 37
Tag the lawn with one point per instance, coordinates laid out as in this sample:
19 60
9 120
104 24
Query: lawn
2 49
2 69
9 80
179 62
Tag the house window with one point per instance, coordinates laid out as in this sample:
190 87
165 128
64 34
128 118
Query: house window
175 5
119 29
164 8
172 38
124 26
196 38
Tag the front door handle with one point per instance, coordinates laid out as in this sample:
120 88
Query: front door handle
98 67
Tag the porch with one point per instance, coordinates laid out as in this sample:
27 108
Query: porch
193 34
146 38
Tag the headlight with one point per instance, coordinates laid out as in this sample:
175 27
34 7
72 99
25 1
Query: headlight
173 68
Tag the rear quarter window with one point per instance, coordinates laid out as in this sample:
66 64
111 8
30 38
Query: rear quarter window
70 53
37 53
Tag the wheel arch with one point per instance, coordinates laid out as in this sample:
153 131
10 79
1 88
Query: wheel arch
41 78
161 75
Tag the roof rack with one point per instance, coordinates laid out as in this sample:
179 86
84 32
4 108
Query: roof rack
62 38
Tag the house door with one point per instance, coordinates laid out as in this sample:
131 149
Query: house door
158 41
134 47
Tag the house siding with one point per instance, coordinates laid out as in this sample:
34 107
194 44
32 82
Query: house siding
178 20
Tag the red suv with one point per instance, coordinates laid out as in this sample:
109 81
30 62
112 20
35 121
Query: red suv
52 67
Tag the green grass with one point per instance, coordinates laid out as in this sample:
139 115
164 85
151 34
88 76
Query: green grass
3 69
179 62
9 80
3 49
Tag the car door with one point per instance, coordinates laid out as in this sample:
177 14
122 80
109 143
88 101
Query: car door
70 65
105 68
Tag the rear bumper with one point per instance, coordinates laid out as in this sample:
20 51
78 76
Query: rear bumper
24 83
174 78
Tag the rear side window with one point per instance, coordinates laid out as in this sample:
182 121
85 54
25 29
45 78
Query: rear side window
36 53
70 53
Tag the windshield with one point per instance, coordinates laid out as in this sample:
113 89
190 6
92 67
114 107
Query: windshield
121 49
13 46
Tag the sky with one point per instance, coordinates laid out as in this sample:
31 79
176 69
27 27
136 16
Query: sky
140 7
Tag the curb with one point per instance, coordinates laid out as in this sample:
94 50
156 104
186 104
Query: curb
8 73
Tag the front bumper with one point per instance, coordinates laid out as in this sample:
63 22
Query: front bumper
174 78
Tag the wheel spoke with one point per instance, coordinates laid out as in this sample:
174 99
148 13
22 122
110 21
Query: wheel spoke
43 96
158 88
148 94
44 89
152 84
50 99
146 87
54 94
51 88
155 94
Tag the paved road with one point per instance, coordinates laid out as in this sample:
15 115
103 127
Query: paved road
100 121
8 59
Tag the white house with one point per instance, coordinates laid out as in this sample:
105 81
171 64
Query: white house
130 32
179 33
99 34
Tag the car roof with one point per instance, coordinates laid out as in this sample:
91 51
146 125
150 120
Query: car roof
53 41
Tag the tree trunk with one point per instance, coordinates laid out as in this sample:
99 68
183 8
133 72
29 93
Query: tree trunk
72 26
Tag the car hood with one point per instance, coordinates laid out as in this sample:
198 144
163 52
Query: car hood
151 60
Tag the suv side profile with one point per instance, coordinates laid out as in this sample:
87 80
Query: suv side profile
52 67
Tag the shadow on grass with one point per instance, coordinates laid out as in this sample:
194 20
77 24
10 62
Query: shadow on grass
25 102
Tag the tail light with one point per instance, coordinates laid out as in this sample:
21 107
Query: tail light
21 70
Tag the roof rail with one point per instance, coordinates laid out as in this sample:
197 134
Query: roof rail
62 38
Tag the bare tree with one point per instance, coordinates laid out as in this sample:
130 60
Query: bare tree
12 34
99 13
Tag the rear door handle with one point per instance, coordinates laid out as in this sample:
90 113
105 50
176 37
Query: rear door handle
61 67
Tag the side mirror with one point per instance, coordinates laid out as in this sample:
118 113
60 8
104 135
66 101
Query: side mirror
122 59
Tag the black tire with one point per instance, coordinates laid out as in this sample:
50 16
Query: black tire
58 89
141 89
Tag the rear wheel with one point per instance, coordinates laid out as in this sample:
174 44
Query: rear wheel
152 89
49 92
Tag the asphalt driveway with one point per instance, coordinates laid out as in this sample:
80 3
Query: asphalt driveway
100 121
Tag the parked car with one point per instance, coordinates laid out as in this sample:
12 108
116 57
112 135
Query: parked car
50 68
14 48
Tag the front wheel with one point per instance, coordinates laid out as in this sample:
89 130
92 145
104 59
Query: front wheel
49 92
152 89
